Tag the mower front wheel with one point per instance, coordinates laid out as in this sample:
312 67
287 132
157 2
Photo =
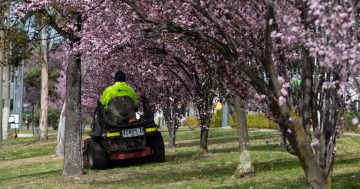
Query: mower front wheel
97 156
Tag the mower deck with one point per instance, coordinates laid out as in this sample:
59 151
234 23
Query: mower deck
126 155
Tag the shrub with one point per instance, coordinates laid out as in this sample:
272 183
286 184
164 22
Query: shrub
53 117
232 122
192 121
260 121
216 119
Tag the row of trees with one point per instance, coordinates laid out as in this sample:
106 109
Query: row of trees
13 49
26 38
246 51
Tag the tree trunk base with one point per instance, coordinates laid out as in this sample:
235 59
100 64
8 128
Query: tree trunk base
241 172
73 175
43 136
59 150
203 152
200 155
172 145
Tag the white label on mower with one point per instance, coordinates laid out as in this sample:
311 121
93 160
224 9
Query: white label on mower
133 132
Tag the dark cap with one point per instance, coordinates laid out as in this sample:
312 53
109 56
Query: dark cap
120 76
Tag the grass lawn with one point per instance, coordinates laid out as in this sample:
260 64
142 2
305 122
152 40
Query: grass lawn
28 163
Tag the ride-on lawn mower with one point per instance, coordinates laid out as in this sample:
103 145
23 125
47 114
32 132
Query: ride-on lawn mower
113 141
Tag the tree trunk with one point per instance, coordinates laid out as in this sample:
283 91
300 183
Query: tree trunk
172 135
44 105
61 129
172 131
73 165
6 109
171 125
204 133
315 177
6 73
237 109
1 89
59 150
2 60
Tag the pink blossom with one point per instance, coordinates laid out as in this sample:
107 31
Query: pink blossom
284 92
281 80
282 100
355 121
315 142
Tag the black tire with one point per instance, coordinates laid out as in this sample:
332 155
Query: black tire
156 143
97 156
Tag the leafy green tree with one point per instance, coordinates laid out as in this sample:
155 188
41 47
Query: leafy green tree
33 80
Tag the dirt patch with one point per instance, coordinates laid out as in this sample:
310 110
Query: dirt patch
20 162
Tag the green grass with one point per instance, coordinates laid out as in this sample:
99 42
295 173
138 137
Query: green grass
28 163
21 148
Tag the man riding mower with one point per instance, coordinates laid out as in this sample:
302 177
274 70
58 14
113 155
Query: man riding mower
117 134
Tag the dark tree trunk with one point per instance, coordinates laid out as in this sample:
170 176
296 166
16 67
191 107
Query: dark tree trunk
172 125
237 109
73 165
307 93
172 135
204 133
204 139
325 150
315 177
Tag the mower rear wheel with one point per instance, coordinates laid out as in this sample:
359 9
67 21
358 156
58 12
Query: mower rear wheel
156 143
97 156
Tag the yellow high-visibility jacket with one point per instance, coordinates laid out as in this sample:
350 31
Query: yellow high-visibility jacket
118 89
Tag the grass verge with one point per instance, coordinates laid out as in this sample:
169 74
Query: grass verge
28 163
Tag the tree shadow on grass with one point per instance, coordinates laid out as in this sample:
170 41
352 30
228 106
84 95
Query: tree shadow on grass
292 163
347 180
264 147
166 176
221 140
184 156
215 172
172 158
290 184
263 136
224 150
33 175
211 141
195 171
268 147
343 160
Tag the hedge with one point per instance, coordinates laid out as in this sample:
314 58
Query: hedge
258 121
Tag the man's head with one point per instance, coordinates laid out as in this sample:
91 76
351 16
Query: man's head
120 76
